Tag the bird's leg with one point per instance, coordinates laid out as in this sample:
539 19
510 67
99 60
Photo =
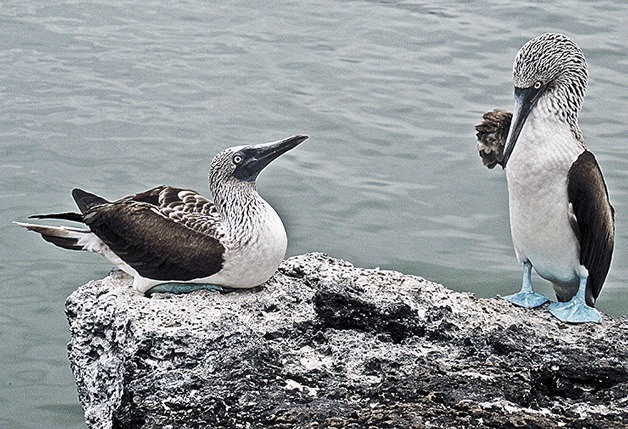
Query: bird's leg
576 309
181 288
527 297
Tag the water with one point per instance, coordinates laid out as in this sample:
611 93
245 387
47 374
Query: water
117 97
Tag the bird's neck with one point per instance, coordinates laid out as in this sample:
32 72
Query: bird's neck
547 145
563 104
239 203
553 119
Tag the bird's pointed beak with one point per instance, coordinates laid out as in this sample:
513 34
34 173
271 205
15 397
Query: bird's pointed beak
525 100
257 157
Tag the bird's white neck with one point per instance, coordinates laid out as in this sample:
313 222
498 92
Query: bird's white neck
237 202
547 142
245 216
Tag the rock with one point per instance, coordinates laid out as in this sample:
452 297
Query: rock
325 344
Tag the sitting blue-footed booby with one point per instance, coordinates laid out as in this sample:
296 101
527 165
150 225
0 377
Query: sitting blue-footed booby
561 219
179 240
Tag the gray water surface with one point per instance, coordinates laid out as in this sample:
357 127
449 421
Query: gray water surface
117 96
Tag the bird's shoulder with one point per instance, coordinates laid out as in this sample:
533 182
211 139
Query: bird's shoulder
186 207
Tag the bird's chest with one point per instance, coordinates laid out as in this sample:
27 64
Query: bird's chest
254 249
538 167
539 208
537 184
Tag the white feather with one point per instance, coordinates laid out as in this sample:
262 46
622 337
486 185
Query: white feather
539 208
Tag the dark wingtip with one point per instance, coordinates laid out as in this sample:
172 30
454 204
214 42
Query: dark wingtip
85 200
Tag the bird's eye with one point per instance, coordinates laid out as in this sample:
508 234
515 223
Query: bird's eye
537 85
237 159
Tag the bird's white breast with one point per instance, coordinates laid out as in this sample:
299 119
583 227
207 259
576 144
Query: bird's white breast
253 251
537 174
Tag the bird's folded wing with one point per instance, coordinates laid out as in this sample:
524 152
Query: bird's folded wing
594 226
164 233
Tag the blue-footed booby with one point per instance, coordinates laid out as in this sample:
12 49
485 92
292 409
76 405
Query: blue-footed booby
175 240
561 219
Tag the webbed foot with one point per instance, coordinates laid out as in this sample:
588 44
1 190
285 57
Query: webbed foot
575 311
527 299
181 288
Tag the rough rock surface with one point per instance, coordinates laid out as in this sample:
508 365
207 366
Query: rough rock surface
325 344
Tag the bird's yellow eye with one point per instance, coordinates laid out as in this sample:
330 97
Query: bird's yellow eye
237 159
537 85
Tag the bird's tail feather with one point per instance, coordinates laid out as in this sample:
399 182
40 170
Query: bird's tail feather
74 217
62 236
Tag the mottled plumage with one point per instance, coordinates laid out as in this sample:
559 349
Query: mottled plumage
173 235
561 218
491 134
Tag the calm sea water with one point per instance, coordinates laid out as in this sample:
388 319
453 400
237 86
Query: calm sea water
117 97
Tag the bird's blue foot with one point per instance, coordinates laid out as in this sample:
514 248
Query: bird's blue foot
181 288
527 299
575 311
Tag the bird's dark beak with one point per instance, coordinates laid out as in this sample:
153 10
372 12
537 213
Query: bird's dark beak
255 158
525 99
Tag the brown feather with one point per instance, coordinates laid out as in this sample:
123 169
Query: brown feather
159 235
595 220
491 134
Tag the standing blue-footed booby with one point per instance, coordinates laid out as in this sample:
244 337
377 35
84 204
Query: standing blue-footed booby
179 240
561 219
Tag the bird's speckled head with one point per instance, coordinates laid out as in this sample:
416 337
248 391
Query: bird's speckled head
223 166
239 166
548 57
554 60
550 78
